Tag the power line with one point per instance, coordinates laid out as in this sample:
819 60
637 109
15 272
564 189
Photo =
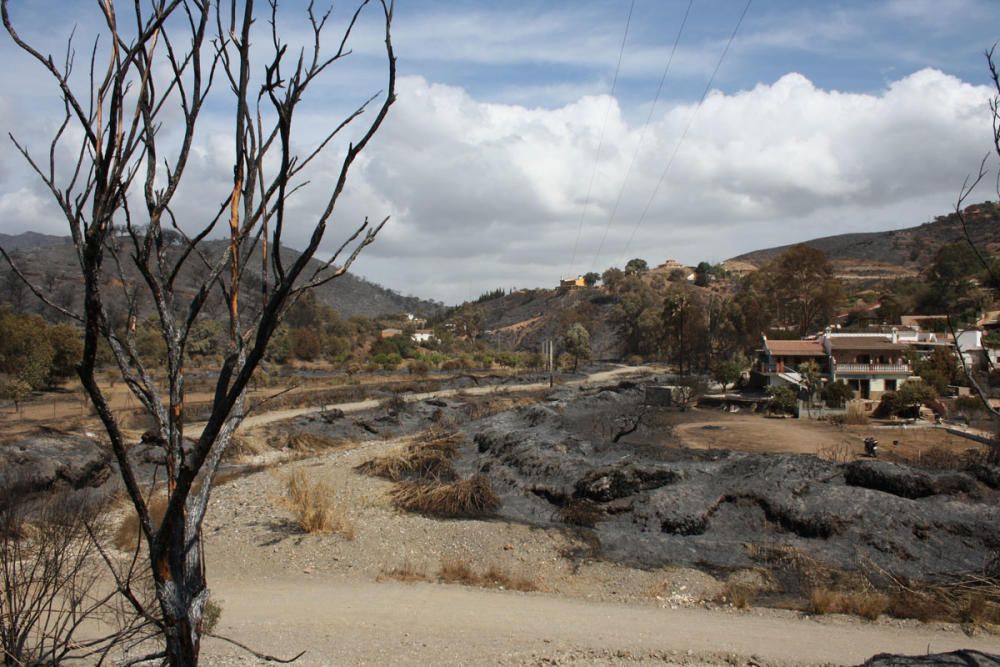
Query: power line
684 134
642 133
604 127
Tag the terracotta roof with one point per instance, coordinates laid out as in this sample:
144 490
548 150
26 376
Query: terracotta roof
796 348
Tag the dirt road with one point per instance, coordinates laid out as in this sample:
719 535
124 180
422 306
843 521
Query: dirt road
194 430
349 622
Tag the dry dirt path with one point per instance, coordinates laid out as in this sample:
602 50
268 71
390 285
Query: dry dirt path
359 623
194 430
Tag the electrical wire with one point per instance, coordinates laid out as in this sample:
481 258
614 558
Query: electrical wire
683 136
604 127
642 135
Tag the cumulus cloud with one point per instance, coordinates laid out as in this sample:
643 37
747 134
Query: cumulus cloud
487 194
490 192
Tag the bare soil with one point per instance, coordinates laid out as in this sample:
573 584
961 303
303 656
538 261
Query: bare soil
377 598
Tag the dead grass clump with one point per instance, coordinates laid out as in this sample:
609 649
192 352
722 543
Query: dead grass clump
740 596
310 443
467 498
866 604
581 512
312 505
127 535
920 606
457 571
477 408
824 601
426 458
838 453
244 447
869 605
494 577
407 573
855 414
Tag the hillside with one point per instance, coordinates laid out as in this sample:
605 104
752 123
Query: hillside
50 261
912 248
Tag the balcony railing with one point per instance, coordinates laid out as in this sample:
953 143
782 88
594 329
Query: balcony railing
873 369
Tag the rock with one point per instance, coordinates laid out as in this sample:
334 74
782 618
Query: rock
891 478
617 481
331 415
906 482
45 462
962 658
988 475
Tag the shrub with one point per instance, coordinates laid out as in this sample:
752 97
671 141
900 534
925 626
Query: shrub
781 400
836 394
211 616
419 367
310 502
468 498
52 576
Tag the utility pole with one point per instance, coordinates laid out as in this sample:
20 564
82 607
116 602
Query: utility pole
551 344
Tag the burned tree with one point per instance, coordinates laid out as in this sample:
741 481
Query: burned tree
134 118
980 385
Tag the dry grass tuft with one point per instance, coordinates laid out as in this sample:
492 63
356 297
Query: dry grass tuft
407 573
427 458
869 605
855 414
740 596
457 571
242 447
467 498
581 512
310 443
311 504
127 535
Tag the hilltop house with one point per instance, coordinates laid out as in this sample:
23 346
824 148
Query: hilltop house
572 282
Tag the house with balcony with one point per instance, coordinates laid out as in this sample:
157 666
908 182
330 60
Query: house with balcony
870 364
778 361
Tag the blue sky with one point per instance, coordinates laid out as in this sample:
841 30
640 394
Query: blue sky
825 117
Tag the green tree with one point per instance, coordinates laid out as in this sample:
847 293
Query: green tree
702 274
799 289
636 266
728 372
25 351
636 316
781 399
590 278
613 278
67 350
577 343
15 390
906 400
836 394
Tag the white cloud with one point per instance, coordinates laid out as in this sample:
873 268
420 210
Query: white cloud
487 194
484 194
